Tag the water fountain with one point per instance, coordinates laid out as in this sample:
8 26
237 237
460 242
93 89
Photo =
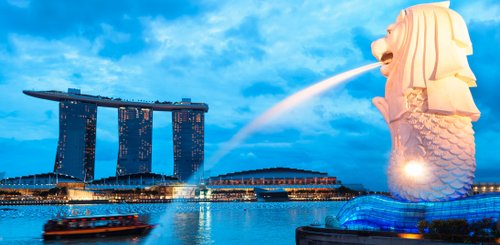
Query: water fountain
429 110
256 124
286 105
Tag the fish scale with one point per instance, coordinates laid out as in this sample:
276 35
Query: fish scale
447 143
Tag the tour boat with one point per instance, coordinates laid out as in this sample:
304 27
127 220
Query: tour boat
95 226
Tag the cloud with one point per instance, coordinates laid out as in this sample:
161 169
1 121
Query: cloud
261 88
239 57
362 39
19 3
483 11
483 63
59 18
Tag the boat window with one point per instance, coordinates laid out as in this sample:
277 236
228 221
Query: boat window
99 223
83 224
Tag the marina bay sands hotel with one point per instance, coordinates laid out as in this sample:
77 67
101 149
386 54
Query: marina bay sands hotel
77 133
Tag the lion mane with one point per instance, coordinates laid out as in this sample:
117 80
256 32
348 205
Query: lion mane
431 53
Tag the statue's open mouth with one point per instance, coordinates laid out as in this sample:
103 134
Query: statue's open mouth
386 58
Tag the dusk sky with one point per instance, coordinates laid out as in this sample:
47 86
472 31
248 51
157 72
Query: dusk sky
239 57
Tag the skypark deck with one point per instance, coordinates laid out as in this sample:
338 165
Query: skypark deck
115 102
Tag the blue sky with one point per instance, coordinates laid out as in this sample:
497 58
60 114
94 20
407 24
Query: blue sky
240 57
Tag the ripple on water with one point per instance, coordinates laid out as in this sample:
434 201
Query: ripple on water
191 223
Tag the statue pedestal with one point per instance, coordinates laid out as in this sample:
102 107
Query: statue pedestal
381 213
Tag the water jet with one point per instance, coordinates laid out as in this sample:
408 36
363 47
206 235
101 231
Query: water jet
286 105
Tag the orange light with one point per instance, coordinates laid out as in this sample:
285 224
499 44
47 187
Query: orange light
410 236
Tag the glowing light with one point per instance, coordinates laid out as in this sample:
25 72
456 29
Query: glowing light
414 169
410 236
287 104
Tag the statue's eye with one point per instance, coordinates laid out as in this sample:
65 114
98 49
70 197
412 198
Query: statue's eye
389 31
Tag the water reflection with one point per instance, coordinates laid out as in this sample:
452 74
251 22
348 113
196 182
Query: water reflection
186 228
204 227
188 223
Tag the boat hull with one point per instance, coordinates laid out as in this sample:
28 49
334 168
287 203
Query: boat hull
98 232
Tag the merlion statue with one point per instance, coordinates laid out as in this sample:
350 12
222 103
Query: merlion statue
428 105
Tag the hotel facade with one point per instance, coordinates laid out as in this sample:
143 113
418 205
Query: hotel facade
188 133
77 134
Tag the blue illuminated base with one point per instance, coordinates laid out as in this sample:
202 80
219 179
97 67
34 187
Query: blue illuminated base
375 212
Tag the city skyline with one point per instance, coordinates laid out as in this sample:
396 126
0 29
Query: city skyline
77 134
239 58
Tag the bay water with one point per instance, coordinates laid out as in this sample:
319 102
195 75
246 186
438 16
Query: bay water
191 223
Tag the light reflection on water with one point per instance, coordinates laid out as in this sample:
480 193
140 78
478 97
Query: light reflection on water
192 223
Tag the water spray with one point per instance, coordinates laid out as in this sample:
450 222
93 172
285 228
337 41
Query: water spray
286 105
272 113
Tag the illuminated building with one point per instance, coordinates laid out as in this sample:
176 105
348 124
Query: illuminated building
135 137
77 133
35 181
188 132
485 187
76 146
274 176
132 181
298 183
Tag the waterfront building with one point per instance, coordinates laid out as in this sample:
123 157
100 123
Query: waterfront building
132 181
77 136
273 176
135 126
141 186
61 188
299 184
188 133
485 187
46 180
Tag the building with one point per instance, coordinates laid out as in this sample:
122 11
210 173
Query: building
273 177
188 133
299 184
135 126
485 187
77 136
131 181
47 180
78 114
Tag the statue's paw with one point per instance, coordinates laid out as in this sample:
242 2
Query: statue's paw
383 107
332 221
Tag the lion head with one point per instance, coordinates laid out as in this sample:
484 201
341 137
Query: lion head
427 47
